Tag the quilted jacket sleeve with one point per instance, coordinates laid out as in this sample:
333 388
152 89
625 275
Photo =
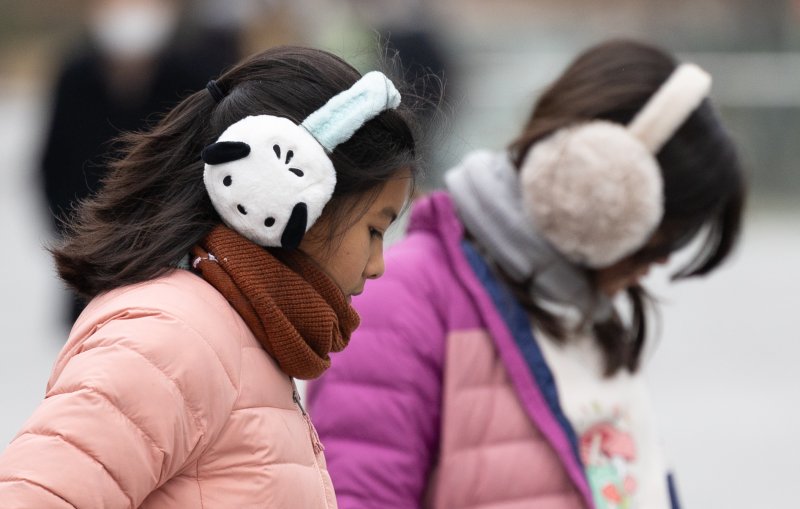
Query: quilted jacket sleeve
377 409
122 415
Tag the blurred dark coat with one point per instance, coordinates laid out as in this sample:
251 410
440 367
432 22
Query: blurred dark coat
86 116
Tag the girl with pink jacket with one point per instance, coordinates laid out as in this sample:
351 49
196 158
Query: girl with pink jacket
498 364
219 258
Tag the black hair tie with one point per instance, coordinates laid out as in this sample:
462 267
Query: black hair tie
216 92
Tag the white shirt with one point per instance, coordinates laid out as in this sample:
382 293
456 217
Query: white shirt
614 423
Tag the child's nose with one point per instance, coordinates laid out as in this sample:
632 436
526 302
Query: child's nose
376 266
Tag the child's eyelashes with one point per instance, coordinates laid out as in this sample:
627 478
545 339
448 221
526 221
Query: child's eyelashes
375 233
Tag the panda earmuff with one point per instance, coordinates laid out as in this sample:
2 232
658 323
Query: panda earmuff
595 190
269 178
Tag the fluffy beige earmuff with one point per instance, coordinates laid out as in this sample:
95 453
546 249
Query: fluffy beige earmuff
594 190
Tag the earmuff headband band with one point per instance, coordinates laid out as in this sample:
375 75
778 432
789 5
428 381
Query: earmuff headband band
346 112
670 106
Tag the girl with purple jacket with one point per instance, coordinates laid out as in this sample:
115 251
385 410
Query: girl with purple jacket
498 364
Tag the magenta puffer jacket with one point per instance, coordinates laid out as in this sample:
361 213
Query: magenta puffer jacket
163 398
432 404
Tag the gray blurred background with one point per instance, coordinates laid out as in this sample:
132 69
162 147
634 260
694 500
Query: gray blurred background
724 372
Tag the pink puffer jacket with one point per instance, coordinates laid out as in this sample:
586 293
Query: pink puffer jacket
162 398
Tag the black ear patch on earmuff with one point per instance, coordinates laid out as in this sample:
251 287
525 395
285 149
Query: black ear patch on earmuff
225 152
295 227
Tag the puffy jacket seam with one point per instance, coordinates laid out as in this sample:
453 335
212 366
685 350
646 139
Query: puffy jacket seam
492 503
117 408
244 330
40 486
237 386
323 491
498 443
199 484
290 463
166 313
198 422
318 468
260 407
85 453
186 404
210 347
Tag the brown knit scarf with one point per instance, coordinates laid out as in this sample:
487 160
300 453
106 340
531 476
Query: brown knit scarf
295 310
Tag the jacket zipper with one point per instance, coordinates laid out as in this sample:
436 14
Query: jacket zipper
316 443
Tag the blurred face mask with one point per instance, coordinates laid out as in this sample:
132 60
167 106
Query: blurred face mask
133 30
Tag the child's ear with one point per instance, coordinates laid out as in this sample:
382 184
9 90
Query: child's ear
224 152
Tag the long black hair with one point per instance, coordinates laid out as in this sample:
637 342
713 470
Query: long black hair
153 206
704 187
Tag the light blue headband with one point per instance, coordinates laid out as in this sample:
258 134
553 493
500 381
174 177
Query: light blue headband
269 178
344 113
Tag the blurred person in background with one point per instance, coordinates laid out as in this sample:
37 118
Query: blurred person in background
250 26
131 68
411 31
219 257
500 359
412 35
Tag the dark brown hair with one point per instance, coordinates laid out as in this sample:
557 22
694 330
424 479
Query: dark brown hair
153 206
704 189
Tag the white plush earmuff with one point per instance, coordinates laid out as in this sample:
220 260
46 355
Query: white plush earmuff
279 186
269 178
594 190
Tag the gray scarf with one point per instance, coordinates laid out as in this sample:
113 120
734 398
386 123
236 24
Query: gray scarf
485 190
